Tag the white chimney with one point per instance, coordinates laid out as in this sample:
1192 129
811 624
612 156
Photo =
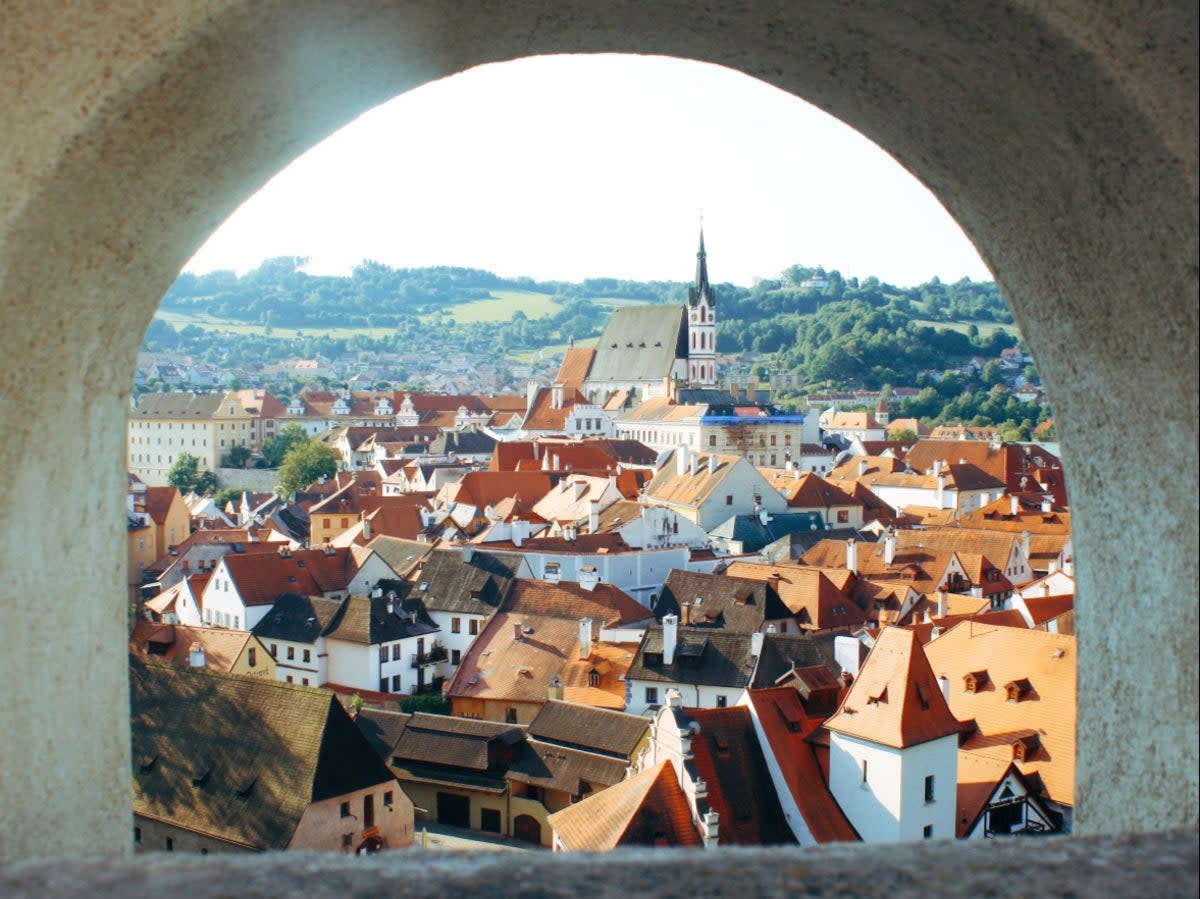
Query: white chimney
518 531
1014 506
943 604
944 683
552 575
693 463
517 631
937 467
196 656
594 516
366 527
852 556
675 699
556 396
756 642
589 577
681 461
1046 507
862 467
670 626
569 533
889 546
531 391
1045 588
468 551
712 463
940 496
847 652
578 489
585 637
711 826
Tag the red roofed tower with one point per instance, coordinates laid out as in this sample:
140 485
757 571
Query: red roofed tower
893 751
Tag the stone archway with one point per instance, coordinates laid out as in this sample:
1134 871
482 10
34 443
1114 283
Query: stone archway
1062 138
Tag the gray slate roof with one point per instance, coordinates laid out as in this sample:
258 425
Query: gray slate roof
782 652
299 619
750 531
730 603
640 343
703 656
240 758
591 729
477 587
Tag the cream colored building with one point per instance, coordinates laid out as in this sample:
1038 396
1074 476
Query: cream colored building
164 426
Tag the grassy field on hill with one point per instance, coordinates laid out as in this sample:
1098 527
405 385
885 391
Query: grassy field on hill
180 320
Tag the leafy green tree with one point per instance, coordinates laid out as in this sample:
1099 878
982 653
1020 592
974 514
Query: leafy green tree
903 434
275 449
992 373
305 463
184 473
237 457
206 483
228 495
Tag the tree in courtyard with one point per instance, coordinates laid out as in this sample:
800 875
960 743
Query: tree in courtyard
206 483
274 450
237 457
304 464
184 473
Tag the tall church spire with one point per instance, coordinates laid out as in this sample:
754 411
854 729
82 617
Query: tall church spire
702 325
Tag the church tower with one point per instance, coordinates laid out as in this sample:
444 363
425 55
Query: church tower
702 326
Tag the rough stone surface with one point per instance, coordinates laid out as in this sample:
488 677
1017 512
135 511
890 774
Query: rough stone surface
1062 136
1161 865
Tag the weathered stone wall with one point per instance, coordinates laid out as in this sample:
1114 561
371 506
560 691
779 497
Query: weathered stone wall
1063 137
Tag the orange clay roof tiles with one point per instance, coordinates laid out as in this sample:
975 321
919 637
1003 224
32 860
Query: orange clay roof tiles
896 699
1048 662
649 809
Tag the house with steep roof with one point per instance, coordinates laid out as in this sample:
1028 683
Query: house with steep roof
709 489
648 809
293 631
809 492
243 588
722 771
214 648
1024 469
453 768
460 590
227 763
785 720
813 600
710 668
156 518
642 525
893 746
200 551
848 425
546 643
563 410
1018 686
722 601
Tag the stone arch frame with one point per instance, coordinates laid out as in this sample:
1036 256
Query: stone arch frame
1062 138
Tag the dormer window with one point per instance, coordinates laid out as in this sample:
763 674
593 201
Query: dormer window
1023 748
1018 689
974 681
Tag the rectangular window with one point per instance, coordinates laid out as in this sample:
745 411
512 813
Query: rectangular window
304 681
651 695
170 845
395 683
843 516
137 835
929 788
927 832
456 625
395 652
473 627
722 701
344 809
274 650
290 679
510 716
455 656
291 653
388 799
252 657
489 820
712 439
308 655
864 771
729 499
383 653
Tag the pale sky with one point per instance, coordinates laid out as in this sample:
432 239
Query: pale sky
568 167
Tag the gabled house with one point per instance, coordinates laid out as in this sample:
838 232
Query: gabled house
893 750
809 492
212 648
294 633
709 489
785 719
226 763
722 601
814 602
722 771
649 809
544 643
243 588
384 642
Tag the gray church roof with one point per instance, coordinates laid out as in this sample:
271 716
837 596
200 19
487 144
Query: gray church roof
640 343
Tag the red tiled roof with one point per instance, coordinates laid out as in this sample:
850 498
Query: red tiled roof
727 756
575 365
649 809
260 579
895 700
786 726
158 502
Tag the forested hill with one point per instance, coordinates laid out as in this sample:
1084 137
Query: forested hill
822 326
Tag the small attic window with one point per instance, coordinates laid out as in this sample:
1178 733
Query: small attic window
1018 689
146 763
245 786
875 700
200 772
974 681
1023 748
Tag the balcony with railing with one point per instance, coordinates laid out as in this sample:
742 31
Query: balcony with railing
436 653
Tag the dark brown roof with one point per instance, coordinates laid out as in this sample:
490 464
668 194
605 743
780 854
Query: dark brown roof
719 601
445 583
596 730
454 742
728 757
571 771
240 758
714 658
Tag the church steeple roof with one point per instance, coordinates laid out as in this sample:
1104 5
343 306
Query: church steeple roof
700 290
